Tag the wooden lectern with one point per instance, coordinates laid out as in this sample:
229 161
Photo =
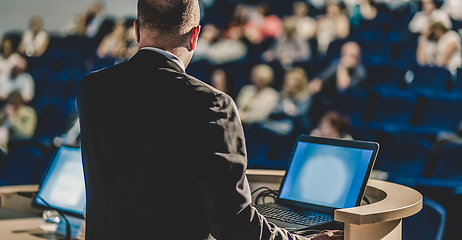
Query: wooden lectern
381 219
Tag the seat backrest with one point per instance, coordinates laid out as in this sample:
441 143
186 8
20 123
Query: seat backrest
406 157
432 78
353 104
394 106
441 111
20 165
449 162
428 224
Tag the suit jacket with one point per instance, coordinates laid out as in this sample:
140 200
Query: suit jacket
164 157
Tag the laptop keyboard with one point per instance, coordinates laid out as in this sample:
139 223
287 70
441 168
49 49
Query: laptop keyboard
291 216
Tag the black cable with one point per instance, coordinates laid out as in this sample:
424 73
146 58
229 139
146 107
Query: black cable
260 188
366 199
264 194
68 225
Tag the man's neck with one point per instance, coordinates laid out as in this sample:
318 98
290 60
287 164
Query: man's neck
169 55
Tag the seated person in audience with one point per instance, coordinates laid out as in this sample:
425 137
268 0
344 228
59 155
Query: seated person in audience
255 102
334 24
132 45
8 58
305 25
34 41
208 35
114 44
342 73
229 47
289 47
70 138
20 81
366 10
332 125
429 14
453 9
223 81
262 24
86 24
440 47
293 105
17 121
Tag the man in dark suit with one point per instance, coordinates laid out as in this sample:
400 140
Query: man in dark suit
164 153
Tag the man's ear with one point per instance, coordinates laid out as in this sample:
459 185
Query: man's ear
136 25
194 36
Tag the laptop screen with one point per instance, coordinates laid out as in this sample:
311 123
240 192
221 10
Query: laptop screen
63 186
329 175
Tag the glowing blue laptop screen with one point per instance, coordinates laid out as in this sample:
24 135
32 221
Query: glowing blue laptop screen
63 187
326 175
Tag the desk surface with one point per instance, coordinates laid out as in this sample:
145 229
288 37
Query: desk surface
20 229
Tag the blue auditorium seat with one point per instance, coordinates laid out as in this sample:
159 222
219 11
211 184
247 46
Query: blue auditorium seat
385 76
20 165
405 157
428 224
392 111
353 104
448 162
458 82
439 112
430 79
407 57
376 52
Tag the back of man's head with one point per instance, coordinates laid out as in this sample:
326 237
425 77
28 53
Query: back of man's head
170 20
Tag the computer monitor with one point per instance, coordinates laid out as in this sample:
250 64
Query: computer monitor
63 186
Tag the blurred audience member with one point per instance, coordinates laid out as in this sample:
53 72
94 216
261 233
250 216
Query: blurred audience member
8 58
306 25
453 8
440 47
223 81
255 102
333 125
289 47
70 138
366 10
241 15
262 24
132 45
429 15
229 47
334 24
209 34
17 121
88 23
34 41
293 105
20 81
114 44
341 73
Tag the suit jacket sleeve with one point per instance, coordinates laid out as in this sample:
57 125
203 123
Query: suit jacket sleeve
220 163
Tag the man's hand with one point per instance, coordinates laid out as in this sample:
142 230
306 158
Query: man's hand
329 235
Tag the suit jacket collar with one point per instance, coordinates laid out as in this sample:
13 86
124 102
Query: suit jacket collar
146 56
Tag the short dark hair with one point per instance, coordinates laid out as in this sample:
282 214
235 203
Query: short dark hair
15 98
338 121
173 16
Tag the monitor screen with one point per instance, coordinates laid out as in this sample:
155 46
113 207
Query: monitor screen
63 186
326 175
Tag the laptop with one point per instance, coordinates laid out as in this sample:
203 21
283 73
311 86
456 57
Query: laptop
63 189
323 174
